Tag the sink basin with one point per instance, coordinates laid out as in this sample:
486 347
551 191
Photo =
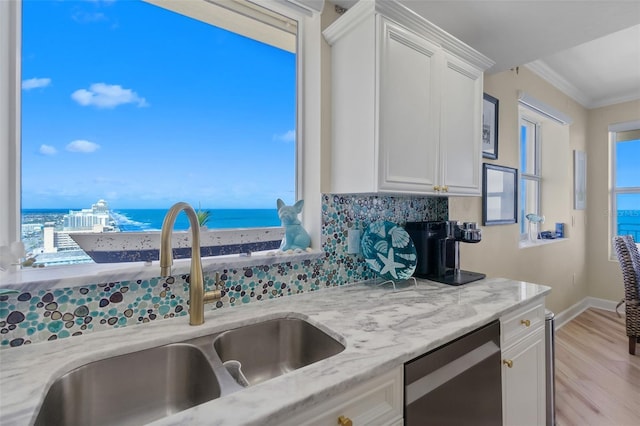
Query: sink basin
271 348
131 389
140 387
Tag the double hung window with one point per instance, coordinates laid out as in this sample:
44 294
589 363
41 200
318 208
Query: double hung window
544 155
625 178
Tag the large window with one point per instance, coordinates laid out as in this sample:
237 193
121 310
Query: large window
128 107
625 178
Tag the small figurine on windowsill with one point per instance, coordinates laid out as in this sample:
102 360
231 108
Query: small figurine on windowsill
296 239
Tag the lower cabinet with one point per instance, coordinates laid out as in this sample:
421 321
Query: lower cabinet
523 367
380 401
376 402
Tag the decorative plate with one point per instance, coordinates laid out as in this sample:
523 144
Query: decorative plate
389 251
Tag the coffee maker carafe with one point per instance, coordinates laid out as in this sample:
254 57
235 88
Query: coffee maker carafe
438 249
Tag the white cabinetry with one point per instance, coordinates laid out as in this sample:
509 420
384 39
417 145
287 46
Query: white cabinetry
376 402
406 104
461 128
523 366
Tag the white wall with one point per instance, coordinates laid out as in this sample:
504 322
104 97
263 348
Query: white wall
498 253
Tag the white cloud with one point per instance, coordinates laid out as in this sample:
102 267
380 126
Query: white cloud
35 83
82 146
103 95
87 17
288 136
47 150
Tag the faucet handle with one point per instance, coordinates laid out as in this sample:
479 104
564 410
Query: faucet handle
218 282
213 295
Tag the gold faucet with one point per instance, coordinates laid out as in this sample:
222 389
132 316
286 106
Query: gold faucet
197 296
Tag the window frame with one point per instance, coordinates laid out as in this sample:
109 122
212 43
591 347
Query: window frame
10 96
535 177
308 136
614 190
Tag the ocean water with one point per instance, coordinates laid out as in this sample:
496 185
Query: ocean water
151 219
136 220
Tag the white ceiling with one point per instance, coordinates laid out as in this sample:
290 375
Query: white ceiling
590 49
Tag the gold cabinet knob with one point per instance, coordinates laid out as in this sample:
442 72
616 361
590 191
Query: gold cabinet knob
436 188
525 322
344 421
445 188
508 363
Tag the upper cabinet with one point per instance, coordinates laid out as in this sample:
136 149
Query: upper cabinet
406 105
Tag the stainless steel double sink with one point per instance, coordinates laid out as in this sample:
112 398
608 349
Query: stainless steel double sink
144 386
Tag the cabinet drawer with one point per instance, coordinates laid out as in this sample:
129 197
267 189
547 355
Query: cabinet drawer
376 402
518 324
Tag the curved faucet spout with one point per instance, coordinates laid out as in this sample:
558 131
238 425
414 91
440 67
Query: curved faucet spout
197 296
166 252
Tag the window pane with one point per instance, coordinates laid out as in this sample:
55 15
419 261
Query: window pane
527 147
140 107
628 164
628 215
528 202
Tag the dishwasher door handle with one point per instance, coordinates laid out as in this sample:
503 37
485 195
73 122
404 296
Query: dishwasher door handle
435 379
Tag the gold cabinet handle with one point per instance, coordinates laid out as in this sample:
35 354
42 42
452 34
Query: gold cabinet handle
436 188
525 322
445 188
344 421
508 363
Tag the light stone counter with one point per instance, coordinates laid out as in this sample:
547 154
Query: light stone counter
380 328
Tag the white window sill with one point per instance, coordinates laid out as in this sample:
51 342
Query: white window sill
53 277
538 243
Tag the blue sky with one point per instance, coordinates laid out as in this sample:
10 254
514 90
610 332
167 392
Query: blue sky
142 107
628 168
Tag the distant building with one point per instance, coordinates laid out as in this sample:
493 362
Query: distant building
95 219
50 240
31 228
87 219
63 242
49 237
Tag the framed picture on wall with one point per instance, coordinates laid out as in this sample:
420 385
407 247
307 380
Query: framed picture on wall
489 127
499 195
579 180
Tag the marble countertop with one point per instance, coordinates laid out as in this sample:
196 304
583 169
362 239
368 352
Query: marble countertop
381 329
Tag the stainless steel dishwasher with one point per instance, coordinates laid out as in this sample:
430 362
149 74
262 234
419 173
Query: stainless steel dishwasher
457 384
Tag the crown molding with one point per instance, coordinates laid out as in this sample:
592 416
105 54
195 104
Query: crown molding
615 100
543 70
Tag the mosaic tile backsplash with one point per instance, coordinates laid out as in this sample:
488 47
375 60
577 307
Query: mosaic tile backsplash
32 317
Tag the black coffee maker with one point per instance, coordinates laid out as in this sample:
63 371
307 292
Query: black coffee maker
438 248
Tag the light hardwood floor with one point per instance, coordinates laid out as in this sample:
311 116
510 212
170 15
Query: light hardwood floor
597 380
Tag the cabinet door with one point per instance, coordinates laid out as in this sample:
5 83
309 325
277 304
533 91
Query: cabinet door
408 111
523 382
461 127
376 402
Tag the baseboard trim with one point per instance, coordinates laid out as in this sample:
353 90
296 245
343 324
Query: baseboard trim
588 302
